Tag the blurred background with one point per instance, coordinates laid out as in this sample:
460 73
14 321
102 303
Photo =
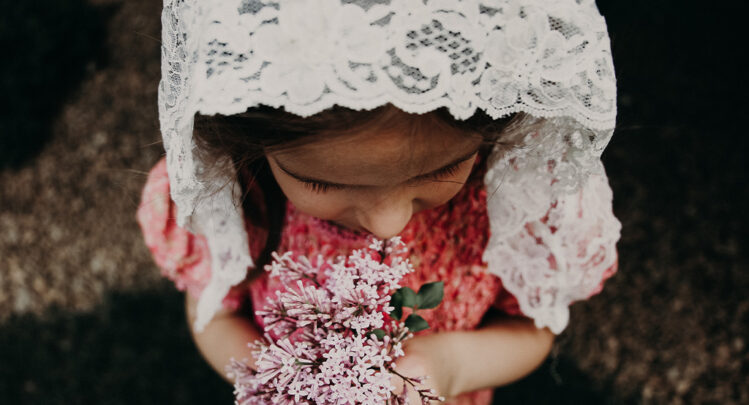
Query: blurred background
85 317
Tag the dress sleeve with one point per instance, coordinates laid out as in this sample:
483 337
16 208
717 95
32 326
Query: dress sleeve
182 256
565 256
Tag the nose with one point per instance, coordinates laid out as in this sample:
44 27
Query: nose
387 217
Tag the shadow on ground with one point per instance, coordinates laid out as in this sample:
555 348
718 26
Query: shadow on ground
134 349
56 43
558 381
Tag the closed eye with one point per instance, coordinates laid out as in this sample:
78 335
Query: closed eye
445 172
321 186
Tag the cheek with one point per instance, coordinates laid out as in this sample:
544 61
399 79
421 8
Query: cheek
436 194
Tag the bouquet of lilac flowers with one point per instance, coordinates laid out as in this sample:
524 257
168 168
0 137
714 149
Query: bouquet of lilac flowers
333 334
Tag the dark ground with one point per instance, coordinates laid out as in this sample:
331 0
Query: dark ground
86 319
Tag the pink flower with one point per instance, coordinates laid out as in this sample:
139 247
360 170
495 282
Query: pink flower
319 344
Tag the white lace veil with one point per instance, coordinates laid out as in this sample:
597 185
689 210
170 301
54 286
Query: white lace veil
548 58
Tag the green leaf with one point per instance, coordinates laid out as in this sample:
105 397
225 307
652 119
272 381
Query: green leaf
379 333
430 294
415 323
403 297
396 301
409 297
397 313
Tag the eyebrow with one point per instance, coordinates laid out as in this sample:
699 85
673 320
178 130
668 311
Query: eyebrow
330 183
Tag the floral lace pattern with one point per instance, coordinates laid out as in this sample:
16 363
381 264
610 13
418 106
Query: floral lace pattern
549 257
548 58
545 58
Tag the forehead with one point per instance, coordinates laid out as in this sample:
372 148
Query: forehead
379 156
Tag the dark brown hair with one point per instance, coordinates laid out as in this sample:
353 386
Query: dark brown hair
246 137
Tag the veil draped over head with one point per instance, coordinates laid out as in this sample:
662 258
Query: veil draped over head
550 59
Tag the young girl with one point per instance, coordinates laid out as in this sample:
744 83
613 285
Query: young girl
471 129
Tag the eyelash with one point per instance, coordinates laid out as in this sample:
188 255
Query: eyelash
323 187
320 187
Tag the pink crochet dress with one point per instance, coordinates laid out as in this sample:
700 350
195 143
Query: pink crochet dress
444 243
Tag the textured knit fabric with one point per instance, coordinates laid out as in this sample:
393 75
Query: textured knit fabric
443 243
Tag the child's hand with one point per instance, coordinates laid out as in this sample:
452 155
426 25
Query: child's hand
425 356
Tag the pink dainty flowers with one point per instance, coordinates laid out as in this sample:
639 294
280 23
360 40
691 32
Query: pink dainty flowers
329 336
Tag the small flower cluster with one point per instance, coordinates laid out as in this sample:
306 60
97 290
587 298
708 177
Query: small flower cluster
329 338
